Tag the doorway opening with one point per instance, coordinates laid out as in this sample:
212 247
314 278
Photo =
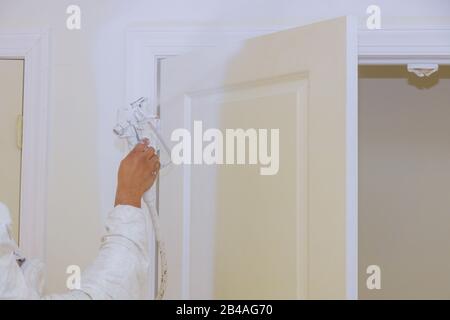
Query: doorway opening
11 110
404 182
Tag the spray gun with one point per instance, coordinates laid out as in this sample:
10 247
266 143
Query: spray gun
136 122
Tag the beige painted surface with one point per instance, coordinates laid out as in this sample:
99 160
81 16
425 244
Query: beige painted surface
232 233
404 204
11 93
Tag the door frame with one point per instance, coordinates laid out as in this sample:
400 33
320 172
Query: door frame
32 46
387 46
392 45
404 45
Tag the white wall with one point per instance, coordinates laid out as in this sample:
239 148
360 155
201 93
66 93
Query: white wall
404 183
87 86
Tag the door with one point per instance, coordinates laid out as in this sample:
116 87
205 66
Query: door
11 93
232 231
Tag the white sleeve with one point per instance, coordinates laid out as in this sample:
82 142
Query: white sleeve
121 269
16 282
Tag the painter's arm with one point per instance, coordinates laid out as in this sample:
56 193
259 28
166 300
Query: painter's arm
121 268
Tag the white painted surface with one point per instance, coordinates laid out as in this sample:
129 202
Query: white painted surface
404 45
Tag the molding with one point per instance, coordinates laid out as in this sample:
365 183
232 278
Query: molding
144 46
385 46
403 46
33 48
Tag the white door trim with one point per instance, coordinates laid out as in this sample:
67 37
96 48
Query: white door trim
375 47
403 46
32 47
384 46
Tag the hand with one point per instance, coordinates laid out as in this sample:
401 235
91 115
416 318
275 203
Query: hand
137 173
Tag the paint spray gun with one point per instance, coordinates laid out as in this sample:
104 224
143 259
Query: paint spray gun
136 122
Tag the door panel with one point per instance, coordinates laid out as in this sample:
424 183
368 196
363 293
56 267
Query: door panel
11 92
239 212
232 232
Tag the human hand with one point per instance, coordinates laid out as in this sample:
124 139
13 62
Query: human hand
137 173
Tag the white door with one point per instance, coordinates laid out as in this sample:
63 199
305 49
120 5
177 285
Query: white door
11 95
232 232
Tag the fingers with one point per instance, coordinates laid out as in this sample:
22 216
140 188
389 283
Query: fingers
154 160
154 164
142 146
144 149
149 152
158 166
148 155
